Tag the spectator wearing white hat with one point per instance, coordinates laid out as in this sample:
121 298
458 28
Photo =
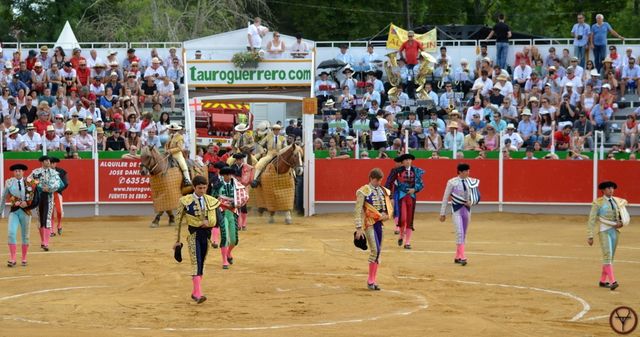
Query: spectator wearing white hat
514 137
68 142
31 141
155 72
464 76
51 140
574 96
13 139
84 141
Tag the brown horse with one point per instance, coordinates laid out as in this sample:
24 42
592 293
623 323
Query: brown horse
166 181
276 191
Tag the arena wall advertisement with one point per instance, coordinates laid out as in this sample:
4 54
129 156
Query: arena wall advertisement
540 181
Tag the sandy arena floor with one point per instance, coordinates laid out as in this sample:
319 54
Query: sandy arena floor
527 276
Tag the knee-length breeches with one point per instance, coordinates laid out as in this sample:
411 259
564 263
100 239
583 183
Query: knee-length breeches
461 219
18 219
45 209
608 244
198 242
374 240
229 229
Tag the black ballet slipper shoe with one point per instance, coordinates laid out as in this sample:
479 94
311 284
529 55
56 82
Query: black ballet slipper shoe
613 286
373 286
603 284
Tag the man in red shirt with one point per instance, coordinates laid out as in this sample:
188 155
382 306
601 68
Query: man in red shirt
83 72
563 138
75 60
411 49
43 120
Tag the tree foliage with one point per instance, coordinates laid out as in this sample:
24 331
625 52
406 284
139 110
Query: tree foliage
179 20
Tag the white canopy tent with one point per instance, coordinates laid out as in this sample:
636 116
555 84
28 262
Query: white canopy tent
67 39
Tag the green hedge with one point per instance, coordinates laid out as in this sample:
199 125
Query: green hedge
61 154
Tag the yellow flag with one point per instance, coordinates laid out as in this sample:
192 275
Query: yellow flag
398 35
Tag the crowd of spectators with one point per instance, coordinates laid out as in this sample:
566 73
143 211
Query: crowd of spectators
61 102
538 103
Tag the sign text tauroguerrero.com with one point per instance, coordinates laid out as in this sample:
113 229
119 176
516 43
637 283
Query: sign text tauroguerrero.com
268 73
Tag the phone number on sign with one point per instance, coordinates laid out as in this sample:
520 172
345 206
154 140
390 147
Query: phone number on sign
133 180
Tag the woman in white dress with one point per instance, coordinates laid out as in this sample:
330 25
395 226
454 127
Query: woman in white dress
163 127
275 47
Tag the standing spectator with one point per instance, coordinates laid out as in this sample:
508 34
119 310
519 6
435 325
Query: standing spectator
503 33
411 49
598 39
276 46
580 32
255 33
378 127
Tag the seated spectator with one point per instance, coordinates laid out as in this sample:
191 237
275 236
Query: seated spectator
362 123
31 141
165 92
24 74
39 80
333 154
411 123
84 141
299 49
527 129
588 99
528 155
475 109
563 138
396 145
574 155
522 72
42 122
370 96
513 137
132 154
115 142
175 73
393 106
22 124
464 77
434 120
449 138
433 140
74 124
533 81
585 129
68 143
13 139
471 141
498 123
152 139
338 126
483 83
365 154
574 97
630 77
629 135
496 98
50 140
508 111
132 139
318 144
491 139
599 118
149 91
567 113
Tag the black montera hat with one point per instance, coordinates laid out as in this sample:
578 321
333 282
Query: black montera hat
18 167
360 242
607 184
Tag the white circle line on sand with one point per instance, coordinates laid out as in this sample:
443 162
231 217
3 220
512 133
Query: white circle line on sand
43 291
557 257
64 275
88 251
585 305
422 305
595 318
21 319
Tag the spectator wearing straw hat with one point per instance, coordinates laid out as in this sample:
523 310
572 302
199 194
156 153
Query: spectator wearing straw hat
155 72
13 140
51 140
449 138
31 141
84 141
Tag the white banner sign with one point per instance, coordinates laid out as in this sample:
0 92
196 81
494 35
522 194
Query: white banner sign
268 73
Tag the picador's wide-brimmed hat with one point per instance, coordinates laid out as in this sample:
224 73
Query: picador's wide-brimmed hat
360 242
241 127
18 167
226 170
239 156
406 156
175 127
607 184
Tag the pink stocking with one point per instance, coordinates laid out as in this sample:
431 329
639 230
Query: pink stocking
25 248
610 273
225 254
372 270
12 252
408 240
457 251
46 232
215 234
462 256
197 292
375 273
603 276
402 231
229 251
243 220
41 230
